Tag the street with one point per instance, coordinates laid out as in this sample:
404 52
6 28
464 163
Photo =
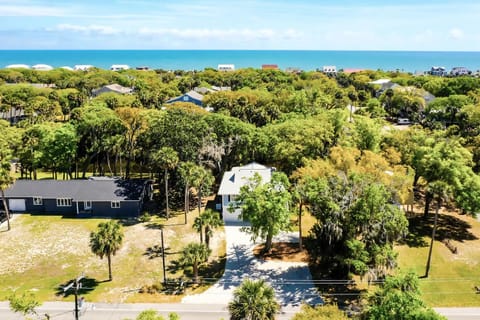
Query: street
104 311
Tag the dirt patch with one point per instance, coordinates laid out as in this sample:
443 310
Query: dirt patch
282 251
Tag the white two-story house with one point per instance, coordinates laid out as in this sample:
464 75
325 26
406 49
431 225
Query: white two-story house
236 178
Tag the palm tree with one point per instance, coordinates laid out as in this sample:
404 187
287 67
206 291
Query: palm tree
186 170
193 255
167 159
253 300
202 179
106 241
198 226
210 220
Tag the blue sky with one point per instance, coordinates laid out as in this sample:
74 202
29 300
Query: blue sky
241 24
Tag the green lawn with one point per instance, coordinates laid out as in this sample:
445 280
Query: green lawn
452 276
41 253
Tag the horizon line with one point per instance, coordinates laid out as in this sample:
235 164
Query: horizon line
346 50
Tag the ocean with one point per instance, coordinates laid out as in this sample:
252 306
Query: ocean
408 61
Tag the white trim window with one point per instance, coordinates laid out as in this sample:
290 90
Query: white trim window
87 205
37 201
64 202
115 204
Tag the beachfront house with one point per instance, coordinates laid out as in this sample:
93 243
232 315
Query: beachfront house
231 183
42 67
191 96
438 71
17 66
119 67
115 88
330 70
95 197
82 67
460 71
269 67
226 67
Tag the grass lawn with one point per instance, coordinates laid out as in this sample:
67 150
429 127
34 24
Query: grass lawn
452 277
41 253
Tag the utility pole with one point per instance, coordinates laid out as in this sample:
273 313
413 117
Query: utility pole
163 257
76 285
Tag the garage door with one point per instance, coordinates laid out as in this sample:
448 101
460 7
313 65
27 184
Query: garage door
16 204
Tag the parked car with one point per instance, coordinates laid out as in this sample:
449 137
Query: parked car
403 121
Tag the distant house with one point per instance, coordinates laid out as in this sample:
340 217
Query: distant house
17 66
236 178
460 71
332 70
216 89
226 67
294 70
191 96
269 67
82 67
352 70
384 84
42 67
438 71
13 115
142 68
107 197
115 88
119 67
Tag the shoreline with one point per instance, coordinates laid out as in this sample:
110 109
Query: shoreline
308 60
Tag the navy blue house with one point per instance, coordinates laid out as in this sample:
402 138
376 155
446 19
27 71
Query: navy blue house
97 197
191 96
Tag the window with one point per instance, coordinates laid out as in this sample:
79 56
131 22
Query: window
37 201
64 202
87 205
115 204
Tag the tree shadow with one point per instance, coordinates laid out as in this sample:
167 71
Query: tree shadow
154 225
129 222
214 269
175 266
86 285
448 227
155 251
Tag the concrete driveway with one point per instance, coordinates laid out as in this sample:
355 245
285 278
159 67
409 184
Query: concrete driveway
291 281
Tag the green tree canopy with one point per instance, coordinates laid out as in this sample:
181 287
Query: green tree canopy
399 298
266 206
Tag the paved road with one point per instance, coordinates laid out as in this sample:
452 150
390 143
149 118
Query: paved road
104 311
460 313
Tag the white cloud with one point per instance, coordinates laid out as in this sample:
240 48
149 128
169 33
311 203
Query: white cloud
456 33
98 29
30 11
220 34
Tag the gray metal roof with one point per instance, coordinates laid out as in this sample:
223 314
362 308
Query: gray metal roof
192 94
78 190
233 180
